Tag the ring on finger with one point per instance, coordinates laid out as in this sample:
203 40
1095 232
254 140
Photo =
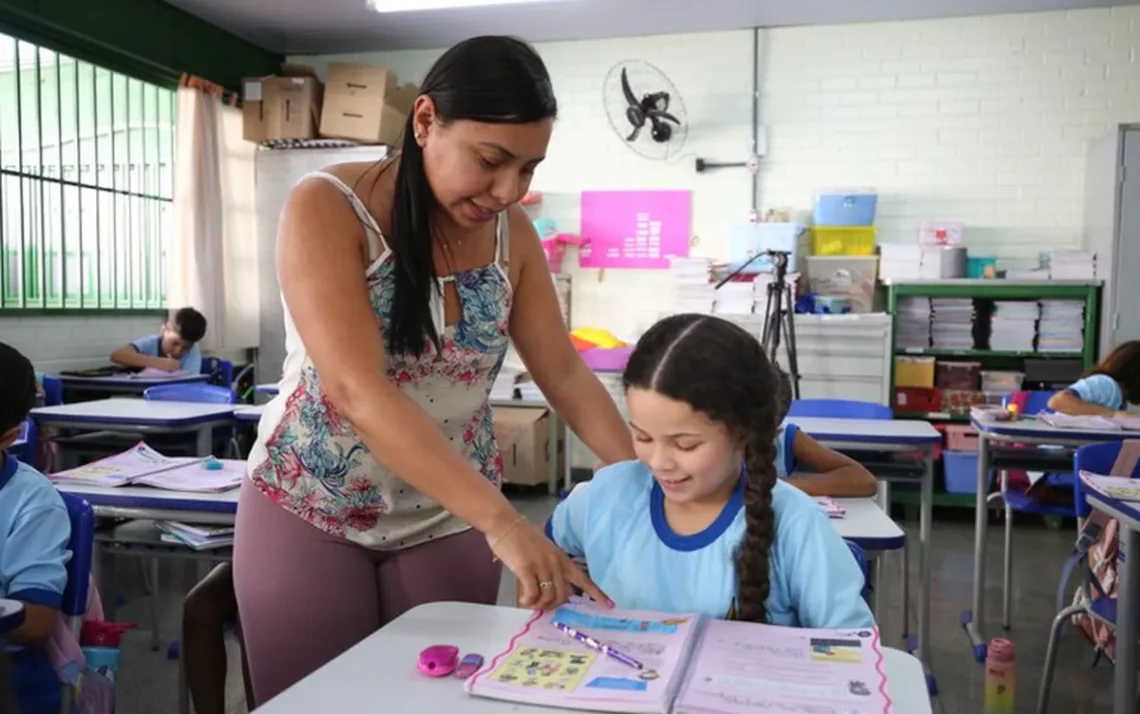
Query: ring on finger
545 584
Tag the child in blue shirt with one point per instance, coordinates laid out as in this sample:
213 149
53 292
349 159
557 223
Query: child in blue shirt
34 533
1107 389
173 349
700 522
809 465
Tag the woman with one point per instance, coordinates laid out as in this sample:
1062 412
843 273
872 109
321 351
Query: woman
374 482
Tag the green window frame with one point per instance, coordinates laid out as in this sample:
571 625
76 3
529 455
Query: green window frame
86 184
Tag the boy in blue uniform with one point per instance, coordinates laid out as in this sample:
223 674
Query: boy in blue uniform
174 348
34 533
701 522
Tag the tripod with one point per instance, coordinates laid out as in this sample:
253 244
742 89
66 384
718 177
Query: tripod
779 315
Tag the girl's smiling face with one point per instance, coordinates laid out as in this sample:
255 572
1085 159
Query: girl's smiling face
692 457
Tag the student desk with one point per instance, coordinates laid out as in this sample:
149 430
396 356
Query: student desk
121 384
249 413
271 389
139 416
1127 513
145 502
1030 432
868 526
385 663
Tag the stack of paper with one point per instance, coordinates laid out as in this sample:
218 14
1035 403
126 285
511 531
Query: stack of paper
907 261
695 293
1070 264
953 325
529 391
1014 325
913 323
504 385
196 537
1062 326
734 298
1088 422
199 476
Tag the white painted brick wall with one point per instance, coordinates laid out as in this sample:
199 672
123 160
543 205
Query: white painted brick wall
72 342
980 119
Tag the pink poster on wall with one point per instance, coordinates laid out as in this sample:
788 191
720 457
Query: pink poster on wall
635 229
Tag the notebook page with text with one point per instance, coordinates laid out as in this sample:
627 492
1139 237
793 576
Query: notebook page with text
748 668
120 469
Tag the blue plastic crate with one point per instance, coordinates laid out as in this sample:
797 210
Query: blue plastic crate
855 207
961 469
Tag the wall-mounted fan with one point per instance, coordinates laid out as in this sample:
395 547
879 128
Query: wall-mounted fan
645 109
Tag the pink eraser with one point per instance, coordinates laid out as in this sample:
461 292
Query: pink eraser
438 660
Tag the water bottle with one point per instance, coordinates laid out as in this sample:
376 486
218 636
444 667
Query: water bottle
1000 677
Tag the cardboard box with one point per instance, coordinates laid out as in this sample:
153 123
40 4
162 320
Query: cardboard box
283 107
523 435
364 103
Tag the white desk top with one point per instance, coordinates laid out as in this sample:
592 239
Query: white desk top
867 525
140 381
249 412
133 412
1036 429
385 663
869 431
270 388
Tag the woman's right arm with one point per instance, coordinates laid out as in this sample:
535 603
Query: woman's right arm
321 268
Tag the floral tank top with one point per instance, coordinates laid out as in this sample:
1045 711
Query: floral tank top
310 460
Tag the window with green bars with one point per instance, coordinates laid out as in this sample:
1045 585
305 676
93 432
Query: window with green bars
86 184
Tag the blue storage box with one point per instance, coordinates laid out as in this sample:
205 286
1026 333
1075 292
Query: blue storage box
745 240
845 207
961 470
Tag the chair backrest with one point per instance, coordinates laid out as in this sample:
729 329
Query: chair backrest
26 450
192 392
221 371
1099 459
861 559
1031 401
82 547
839 409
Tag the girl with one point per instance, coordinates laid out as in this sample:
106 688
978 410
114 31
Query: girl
818 470
1106 389
700 522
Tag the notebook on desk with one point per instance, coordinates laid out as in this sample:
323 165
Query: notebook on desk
690 665
144 466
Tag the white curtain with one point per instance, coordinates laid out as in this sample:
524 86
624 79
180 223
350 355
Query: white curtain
212 255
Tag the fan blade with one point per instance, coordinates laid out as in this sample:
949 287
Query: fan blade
629 97
633 135
667 116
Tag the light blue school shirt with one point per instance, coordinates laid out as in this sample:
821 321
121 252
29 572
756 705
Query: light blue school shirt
1098 389
617 524
151 346
34 534
786 450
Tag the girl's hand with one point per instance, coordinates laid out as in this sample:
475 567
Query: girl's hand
545 574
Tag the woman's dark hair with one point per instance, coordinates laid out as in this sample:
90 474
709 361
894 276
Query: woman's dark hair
721 371
1123 365
494 80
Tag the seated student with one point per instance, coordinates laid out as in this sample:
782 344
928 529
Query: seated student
700 522
174 348
1107 389
34 533
826 472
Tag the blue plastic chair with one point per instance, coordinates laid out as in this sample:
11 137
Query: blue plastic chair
839 409
1018 501
221 371
82 546
1097 458
53 390
190 392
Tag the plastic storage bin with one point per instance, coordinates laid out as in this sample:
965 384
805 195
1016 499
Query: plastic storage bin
746 240
958 375
843 240
914 372
851 277
995 380
961 470
978 267
845 207
917 400
961 437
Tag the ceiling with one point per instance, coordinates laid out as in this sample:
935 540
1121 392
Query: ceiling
335 26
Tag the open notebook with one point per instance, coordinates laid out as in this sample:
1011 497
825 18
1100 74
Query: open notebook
692 665
142 465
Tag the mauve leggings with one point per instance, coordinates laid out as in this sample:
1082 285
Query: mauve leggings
306 596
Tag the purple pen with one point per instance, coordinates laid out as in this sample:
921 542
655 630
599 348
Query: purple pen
599 646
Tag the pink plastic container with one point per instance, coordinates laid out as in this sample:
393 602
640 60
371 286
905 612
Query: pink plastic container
603 360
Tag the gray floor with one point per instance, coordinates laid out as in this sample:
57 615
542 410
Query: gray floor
148 679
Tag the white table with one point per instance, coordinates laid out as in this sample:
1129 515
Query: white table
383 665
140 416
867 525
271 389
124 384
157 504
895 436
249 413
1028 431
